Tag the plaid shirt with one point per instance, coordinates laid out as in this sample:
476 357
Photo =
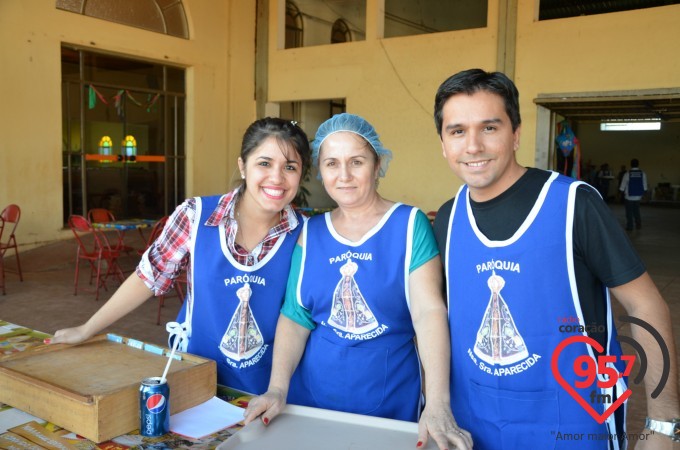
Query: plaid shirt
169 255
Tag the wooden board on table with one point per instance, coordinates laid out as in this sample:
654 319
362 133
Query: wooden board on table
92 389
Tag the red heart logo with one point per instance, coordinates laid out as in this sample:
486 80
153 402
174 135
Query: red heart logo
600 418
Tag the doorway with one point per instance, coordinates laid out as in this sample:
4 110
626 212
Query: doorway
123 135
657 150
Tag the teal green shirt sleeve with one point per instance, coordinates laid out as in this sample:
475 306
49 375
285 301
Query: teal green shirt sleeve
424 243
291 308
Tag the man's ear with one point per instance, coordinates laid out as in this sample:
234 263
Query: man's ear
516 138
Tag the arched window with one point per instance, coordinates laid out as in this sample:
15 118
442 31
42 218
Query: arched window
340 32
293 26
162 16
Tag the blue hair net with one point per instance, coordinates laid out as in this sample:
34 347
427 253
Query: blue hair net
353 124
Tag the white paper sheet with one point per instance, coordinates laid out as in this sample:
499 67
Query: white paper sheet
12 417
205 419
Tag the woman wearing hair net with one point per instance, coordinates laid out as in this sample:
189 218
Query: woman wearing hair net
365 281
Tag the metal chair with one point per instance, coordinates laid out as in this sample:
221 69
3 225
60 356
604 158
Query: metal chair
156 231
11 215
180 283
180 288
94 247
103 215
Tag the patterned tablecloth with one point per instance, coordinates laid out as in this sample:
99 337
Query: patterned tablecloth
130 224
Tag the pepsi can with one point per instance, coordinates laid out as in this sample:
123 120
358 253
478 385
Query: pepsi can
154 407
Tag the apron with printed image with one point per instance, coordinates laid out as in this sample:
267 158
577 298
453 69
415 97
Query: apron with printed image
361 356
231 316
507 300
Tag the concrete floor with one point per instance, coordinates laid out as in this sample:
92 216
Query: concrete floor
44 301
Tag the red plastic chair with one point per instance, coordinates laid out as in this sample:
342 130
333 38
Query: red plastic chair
103 215
10 215
94 247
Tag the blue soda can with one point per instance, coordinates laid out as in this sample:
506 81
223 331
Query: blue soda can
154 407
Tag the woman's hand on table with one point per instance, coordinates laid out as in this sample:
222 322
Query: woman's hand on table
267 405
438 422
74 335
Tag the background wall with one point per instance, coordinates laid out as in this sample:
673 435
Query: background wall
392 81
219 59
606 52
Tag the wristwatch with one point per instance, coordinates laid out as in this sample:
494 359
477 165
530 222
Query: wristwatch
670 428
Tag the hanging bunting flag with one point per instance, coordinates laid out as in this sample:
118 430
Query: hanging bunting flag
152 102
134 100
92 98
93 93
118 103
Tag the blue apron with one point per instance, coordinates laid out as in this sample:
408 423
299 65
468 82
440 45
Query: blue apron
635 185
232 313
507 301
361 357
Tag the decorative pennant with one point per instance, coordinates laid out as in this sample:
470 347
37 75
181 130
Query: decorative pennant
93 93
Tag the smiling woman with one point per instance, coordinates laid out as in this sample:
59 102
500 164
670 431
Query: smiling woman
236 249
352 339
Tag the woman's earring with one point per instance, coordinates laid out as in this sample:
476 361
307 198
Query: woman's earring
243 177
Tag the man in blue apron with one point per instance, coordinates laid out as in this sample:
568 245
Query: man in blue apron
633 186
530 259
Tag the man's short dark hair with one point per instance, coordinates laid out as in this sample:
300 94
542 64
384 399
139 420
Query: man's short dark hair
634 163
475 80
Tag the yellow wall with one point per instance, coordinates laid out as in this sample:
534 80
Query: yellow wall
628 50
219 59
392 81
389 81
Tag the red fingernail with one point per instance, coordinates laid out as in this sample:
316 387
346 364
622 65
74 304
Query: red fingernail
47 341
419 444
266 421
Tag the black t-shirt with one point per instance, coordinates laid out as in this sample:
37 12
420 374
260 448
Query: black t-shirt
603 254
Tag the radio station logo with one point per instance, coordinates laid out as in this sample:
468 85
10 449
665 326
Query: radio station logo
599 377
155 404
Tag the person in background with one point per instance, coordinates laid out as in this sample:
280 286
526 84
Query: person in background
531 258
236 249
619 178
633 186
364 282
604 177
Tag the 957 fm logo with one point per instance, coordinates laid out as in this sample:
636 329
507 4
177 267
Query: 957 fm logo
599 376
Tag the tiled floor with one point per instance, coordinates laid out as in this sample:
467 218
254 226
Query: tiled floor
45 300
